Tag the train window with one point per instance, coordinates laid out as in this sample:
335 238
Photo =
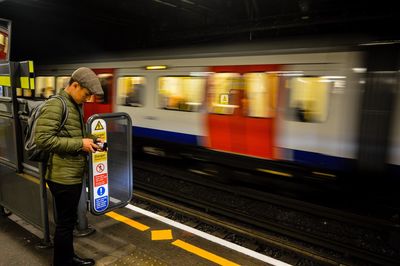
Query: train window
224 92
61 83
131 91
44 86
260 94
308 100
181 93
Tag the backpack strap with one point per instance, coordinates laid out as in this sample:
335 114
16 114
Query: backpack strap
65 111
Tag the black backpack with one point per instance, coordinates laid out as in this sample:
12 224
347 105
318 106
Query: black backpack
34 153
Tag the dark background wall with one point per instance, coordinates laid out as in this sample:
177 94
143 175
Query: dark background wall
48 30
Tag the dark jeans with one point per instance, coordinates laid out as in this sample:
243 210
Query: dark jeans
66 199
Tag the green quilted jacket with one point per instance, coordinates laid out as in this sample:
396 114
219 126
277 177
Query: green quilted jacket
67 162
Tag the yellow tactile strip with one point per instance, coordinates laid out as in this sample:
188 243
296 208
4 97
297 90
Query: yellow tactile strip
130 255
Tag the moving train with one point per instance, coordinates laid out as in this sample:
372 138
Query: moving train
323 111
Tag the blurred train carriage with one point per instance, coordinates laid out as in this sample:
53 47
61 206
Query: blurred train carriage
285 112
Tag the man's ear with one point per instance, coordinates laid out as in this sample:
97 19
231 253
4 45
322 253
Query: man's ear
75 84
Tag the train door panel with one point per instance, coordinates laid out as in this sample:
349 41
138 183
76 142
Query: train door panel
219 136
101 104
223 98
237 120
241 105
261 92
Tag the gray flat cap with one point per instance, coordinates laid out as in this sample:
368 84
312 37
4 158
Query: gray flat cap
88 79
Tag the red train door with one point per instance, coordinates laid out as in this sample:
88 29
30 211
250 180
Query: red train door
103 104
241 109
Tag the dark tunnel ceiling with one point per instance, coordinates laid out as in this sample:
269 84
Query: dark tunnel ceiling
54 29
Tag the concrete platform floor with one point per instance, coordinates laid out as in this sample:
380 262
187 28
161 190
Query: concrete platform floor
123 237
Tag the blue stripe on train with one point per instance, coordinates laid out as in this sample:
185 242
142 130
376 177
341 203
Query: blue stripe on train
303 157
321 160
165 135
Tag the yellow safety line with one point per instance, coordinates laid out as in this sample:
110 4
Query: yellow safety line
31 178
274 172
5 81
127 221
203 253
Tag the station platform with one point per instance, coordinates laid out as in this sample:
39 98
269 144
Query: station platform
128 236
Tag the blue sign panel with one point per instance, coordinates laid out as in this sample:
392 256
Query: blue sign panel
101 203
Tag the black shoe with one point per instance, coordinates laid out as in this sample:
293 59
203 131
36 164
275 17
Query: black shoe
79 261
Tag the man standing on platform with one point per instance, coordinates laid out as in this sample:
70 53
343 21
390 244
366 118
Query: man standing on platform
67 164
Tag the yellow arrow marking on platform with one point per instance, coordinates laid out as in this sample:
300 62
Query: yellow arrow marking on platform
161 234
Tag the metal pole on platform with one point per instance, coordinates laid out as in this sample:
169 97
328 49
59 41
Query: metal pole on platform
3 212
82 227
46 242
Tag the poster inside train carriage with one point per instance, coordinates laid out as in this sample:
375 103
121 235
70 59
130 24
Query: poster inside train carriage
5 30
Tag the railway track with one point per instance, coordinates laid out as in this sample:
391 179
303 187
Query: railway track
238 233
341 238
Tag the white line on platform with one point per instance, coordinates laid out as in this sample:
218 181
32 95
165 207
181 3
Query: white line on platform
209 237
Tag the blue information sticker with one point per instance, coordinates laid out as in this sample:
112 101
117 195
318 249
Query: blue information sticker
101 191
101 203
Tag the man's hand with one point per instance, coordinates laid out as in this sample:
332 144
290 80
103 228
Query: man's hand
102 144
89 146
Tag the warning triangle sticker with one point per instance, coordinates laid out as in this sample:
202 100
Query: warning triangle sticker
99 126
